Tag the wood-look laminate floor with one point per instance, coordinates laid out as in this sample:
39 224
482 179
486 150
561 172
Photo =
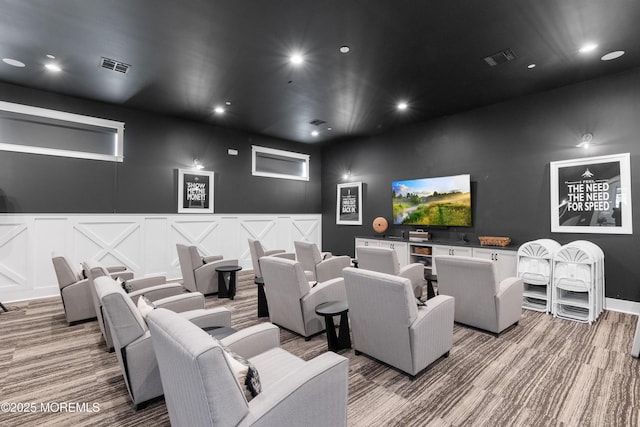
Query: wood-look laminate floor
543 372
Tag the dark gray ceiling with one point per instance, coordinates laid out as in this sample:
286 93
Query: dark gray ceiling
187 56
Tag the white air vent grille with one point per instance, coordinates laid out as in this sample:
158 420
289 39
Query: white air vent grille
113 65
500 57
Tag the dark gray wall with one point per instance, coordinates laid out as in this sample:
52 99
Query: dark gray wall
506 148
155 147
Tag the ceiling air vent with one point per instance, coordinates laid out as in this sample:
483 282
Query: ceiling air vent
500 57
113 65
317 122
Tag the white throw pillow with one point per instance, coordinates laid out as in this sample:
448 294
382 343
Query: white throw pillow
145 306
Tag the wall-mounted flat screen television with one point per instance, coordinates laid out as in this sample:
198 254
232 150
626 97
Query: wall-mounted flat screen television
439 201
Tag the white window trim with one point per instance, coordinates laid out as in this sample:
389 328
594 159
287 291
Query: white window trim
116 127
257 149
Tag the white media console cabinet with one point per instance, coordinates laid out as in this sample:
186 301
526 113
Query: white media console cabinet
423 252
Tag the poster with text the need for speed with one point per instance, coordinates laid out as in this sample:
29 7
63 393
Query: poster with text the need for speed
591 195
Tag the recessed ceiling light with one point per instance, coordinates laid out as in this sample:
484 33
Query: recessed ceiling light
219 109
50 56
530 66
329 128
612 55
227 103
13 62
315 133
402 106
53 67
344 49
589 47
296 59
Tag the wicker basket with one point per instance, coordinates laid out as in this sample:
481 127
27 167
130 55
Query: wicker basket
494 241
421 251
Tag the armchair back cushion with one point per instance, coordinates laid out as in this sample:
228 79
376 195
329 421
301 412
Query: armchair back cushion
131 340
382 307
199 372
257 251
474 284
189 260
285 286
65 273
383 260
308 255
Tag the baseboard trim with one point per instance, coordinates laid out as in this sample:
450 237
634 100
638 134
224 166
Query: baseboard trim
622 306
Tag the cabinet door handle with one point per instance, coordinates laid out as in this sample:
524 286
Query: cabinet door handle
366 243
391 245
496 257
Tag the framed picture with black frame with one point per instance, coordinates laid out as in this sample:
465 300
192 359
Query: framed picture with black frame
349 204
195 191
591 195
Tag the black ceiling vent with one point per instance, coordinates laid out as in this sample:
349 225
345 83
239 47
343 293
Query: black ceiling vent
500 57
317 122
113 65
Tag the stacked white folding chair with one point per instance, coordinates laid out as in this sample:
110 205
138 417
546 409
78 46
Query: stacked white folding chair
535 268
578 281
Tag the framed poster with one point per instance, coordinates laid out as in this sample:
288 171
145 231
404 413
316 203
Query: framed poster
195 191
349 204
591 195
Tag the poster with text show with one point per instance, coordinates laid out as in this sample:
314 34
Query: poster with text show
349 208
590 195
196 192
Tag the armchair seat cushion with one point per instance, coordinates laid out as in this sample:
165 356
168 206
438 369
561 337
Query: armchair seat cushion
275 364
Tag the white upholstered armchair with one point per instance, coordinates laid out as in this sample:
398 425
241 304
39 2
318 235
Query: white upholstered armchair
387 323
202 390
199 273
320 266
482 301
292 299
257 251
385 260
153 287
131 337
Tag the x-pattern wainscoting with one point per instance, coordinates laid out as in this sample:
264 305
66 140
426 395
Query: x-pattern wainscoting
145 244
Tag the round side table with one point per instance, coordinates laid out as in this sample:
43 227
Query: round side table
328 310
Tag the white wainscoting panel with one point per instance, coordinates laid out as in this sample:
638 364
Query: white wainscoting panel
145 244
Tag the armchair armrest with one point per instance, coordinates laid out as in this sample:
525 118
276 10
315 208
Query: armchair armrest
206 271
146 282
73 285
294 399
124 275
431 332
211 258
219 316
281 254
509 300
158 292
116 268
332 268
253 340
183 302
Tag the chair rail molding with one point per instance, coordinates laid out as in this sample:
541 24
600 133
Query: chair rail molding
144 243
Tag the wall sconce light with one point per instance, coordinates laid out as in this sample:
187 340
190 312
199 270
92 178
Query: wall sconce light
347 175
197 164
585 141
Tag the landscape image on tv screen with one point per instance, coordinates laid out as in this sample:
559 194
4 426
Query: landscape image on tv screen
441 201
